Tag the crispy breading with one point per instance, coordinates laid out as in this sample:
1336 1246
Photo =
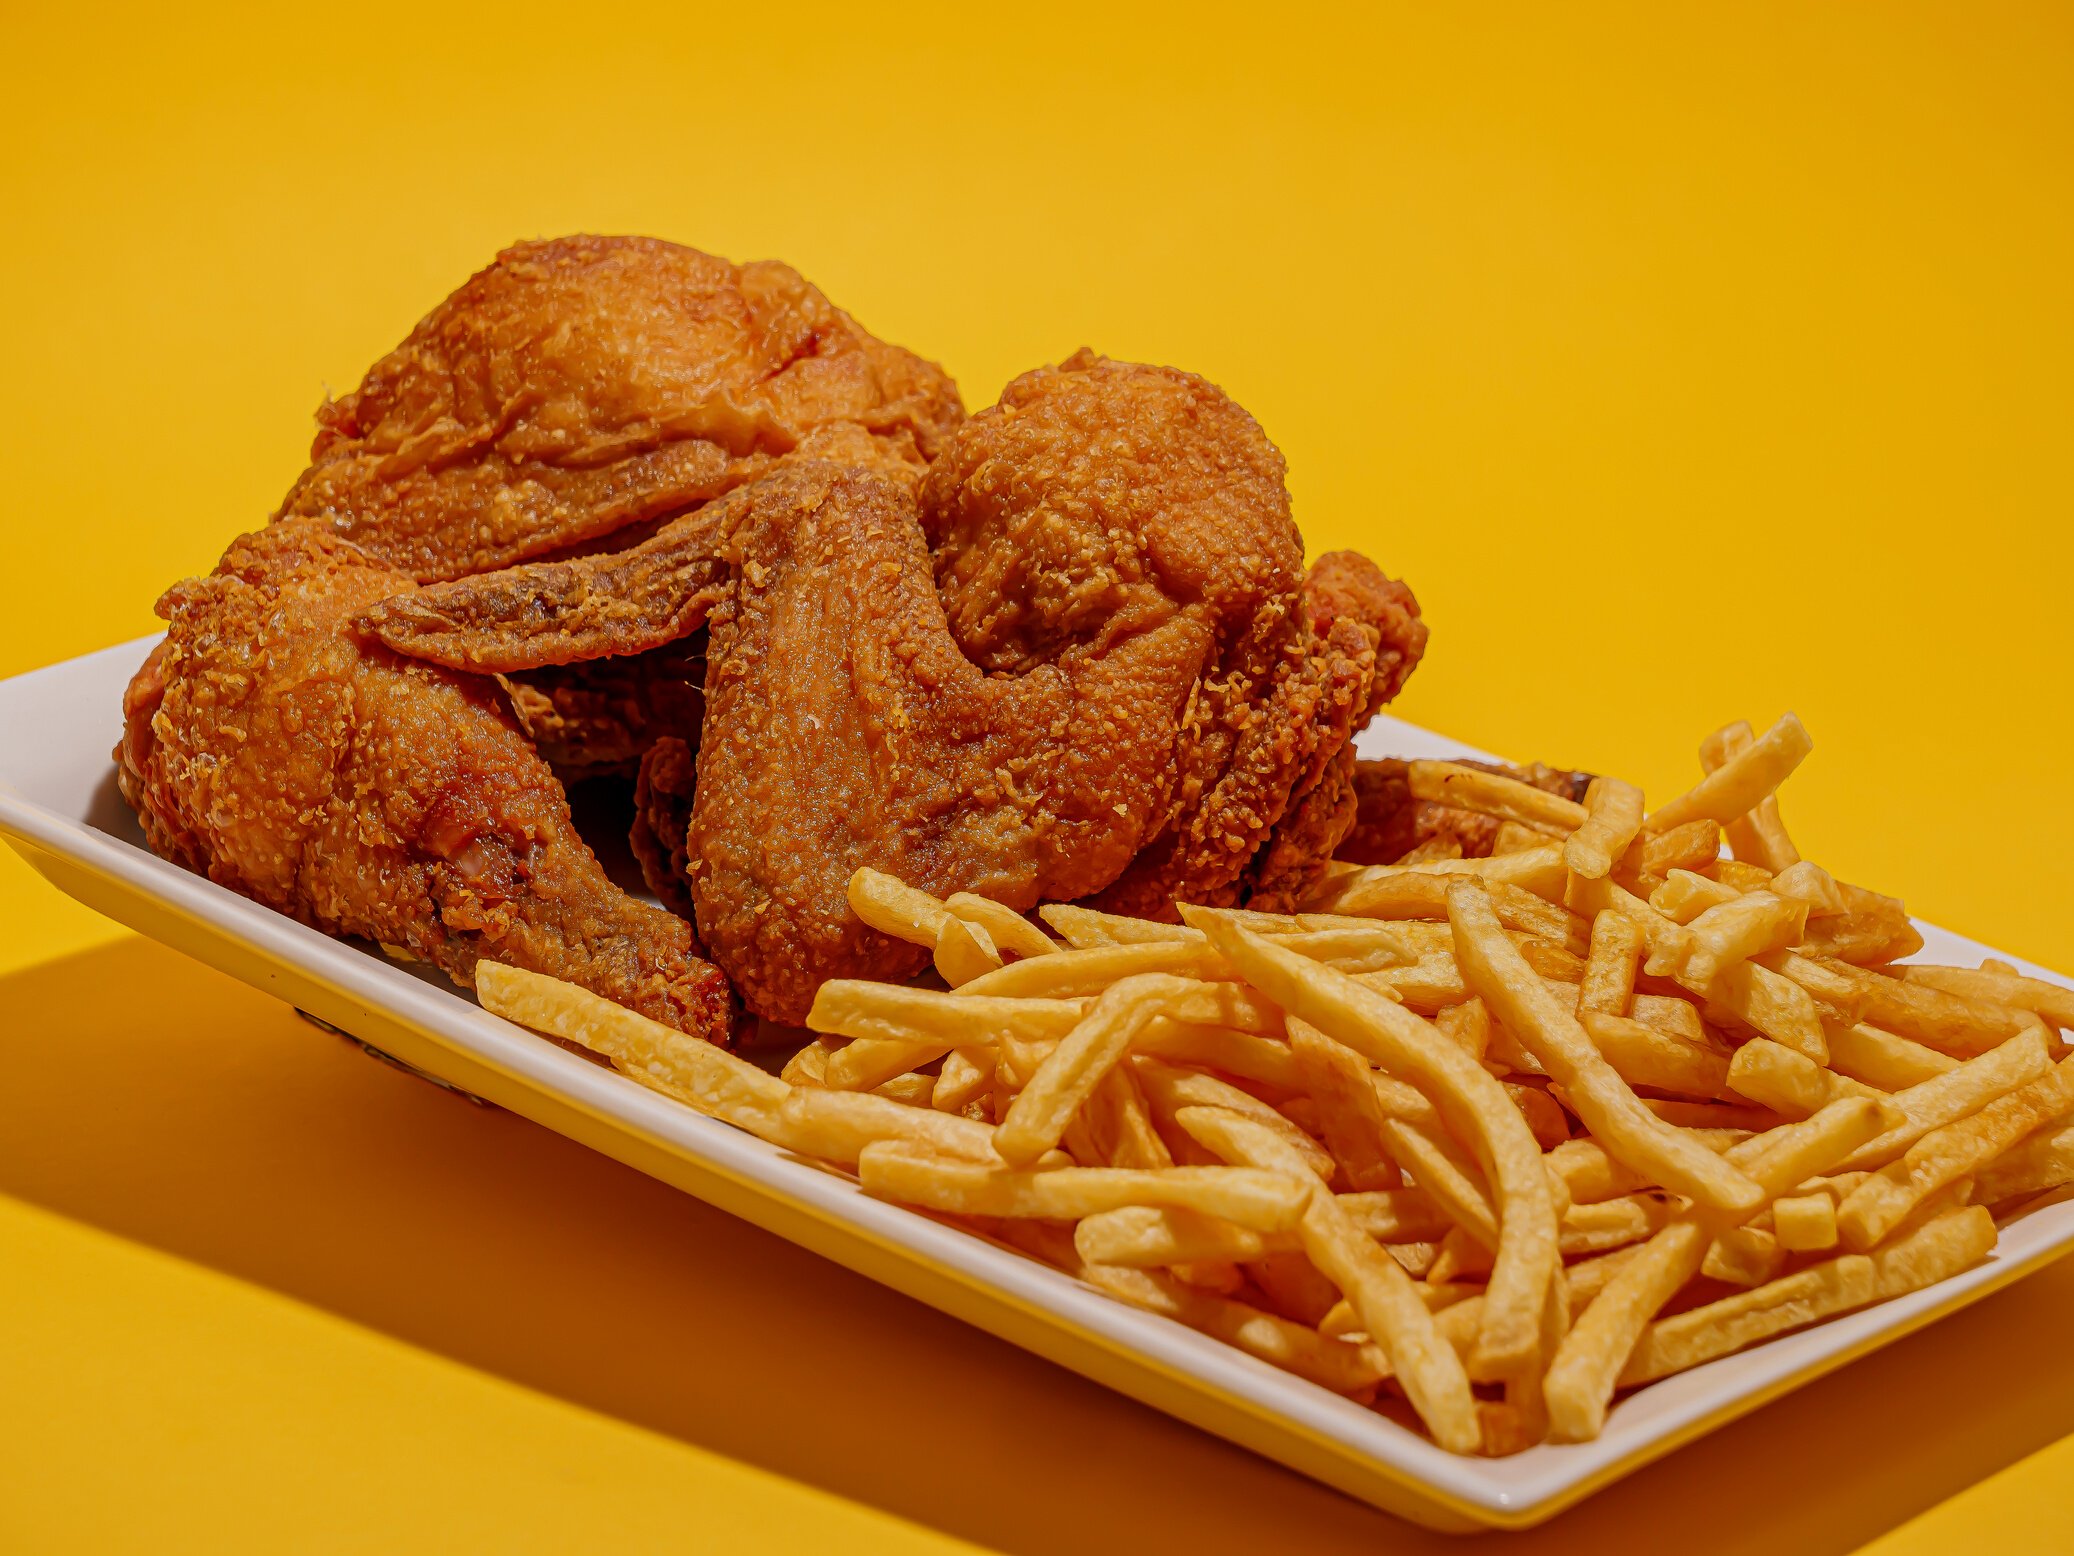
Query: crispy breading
585 383
371 795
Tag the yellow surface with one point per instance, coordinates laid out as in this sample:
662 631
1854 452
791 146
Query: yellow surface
1690 365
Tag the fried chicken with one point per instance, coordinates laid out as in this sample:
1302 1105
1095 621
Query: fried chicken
582 384
1260 740
368 794
1066 649
995 689
569 391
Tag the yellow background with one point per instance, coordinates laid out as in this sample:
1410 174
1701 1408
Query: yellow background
1691 363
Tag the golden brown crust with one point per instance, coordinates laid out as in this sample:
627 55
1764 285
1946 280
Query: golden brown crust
1303 684
370 795
581 384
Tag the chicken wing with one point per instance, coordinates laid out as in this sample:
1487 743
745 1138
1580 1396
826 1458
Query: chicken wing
369 794
997 688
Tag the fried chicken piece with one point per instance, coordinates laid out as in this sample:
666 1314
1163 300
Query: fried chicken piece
577 611
1389 823
1258 741
367 794
586 383
1292 862
955 720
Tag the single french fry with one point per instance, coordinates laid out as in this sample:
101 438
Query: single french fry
1939 1248
1350 1116
1744 1256
1425 1365
963 1080
1512 837
1612 821
1471 1101
1156 1236
808 1067
1760 836
1883 1059
1805 1223
892 907
1436 848
1037 1119
848 1007
1808 883
1608 984
1643 1056
1374 945
964 951
1608 1107
1428 986
1686 894
1066 974
1742 782
1782 1080
1551 961
1703 1333
1670 1015
913 1089
1492 794
1964 1089
869 1062
2052 1001
1654 856
2042 1160
1333 1364
708 1078
1377 890
1007 928
837 1125
1752 923
1265 1201
1085 929
1590 1174
1222 1048
1945 1155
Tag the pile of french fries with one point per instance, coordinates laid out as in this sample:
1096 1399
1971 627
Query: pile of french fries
1488 1140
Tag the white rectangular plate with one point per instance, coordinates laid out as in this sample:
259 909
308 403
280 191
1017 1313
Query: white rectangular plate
60 809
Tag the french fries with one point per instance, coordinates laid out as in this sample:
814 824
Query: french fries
1463 1122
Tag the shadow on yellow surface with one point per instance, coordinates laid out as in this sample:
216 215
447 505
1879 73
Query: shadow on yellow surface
159 1100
